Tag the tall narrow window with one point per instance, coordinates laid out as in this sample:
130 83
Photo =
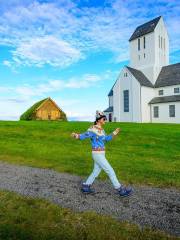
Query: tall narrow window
164 44
144 42
159 41
156 112
172 110
126 100
138 44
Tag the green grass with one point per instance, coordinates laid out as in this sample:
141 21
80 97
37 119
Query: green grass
35 219
142 154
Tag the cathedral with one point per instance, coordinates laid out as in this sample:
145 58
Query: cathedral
148 90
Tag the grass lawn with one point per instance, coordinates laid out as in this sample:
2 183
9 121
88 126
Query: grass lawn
141 154
34 219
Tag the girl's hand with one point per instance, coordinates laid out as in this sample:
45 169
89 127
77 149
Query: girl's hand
75 135
116 131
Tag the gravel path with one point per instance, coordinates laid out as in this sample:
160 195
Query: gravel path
148 206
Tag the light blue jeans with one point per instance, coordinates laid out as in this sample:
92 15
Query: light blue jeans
100 162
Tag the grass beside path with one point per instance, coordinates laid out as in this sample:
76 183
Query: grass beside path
35 219
141 154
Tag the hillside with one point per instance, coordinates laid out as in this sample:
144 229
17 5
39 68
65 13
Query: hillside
142 154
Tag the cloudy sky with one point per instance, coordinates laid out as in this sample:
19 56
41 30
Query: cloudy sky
71 50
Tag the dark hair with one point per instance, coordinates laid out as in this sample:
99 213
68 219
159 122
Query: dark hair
97 119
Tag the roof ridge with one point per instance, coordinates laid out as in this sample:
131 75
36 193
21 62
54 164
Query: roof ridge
145 28
141 78
152 20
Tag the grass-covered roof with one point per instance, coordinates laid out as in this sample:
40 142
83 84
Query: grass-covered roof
28 114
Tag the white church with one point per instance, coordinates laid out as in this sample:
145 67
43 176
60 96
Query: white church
149 89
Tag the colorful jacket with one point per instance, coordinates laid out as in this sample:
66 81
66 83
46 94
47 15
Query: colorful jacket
98 137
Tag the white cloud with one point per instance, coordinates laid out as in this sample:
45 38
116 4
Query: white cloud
46 50
27 91
7 63
60 33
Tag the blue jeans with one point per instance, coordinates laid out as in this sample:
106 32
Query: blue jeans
100 162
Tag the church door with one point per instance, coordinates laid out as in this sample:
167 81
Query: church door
110 117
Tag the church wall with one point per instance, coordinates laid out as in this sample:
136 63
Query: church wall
144 58
164 113
131 84
116 100
167 91
161 47
110 101
146 96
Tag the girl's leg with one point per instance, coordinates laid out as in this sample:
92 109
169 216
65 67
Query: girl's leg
96 171
101 160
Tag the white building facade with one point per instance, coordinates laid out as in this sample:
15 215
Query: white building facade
149 89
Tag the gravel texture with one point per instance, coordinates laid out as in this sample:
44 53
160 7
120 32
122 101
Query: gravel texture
148 206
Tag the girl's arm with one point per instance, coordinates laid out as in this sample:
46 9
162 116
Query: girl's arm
111 136
82 136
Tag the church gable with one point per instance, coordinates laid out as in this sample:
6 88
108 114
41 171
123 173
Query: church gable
142 79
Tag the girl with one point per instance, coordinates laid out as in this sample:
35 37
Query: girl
98 138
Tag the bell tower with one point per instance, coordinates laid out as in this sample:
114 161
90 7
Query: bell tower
149 48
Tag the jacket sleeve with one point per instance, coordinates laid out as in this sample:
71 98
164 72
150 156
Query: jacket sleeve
85 135
108 137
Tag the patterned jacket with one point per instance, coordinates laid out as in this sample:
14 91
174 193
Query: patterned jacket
98 137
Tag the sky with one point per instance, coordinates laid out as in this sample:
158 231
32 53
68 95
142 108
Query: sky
71 50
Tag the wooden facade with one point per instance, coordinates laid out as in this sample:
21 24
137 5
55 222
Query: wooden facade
45 109
48 111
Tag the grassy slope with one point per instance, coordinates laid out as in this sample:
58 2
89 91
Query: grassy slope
142 154
34 219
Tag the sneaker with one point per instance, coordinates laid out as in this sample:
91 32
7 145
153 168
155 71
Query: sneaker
86 188
125 191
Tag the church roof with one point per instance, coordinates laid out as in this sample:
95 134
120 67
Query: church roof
173 98
169 75
142 79
145 28
111 92
109 109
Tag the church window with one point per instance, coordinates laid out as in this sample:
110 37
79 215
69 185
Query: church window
139 57
164 44
159 41
172 110
144 42
126 100
138 44
176 90
160 92
156 112
144 55
125 74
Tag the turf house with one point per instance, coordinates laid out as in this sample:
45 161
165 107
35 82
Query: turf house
45 109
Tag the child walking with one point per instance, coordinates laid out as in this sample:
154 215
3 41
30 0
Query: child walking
98 139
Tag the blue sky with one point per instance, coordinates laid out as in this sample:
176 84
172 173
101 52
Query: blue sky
71 50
